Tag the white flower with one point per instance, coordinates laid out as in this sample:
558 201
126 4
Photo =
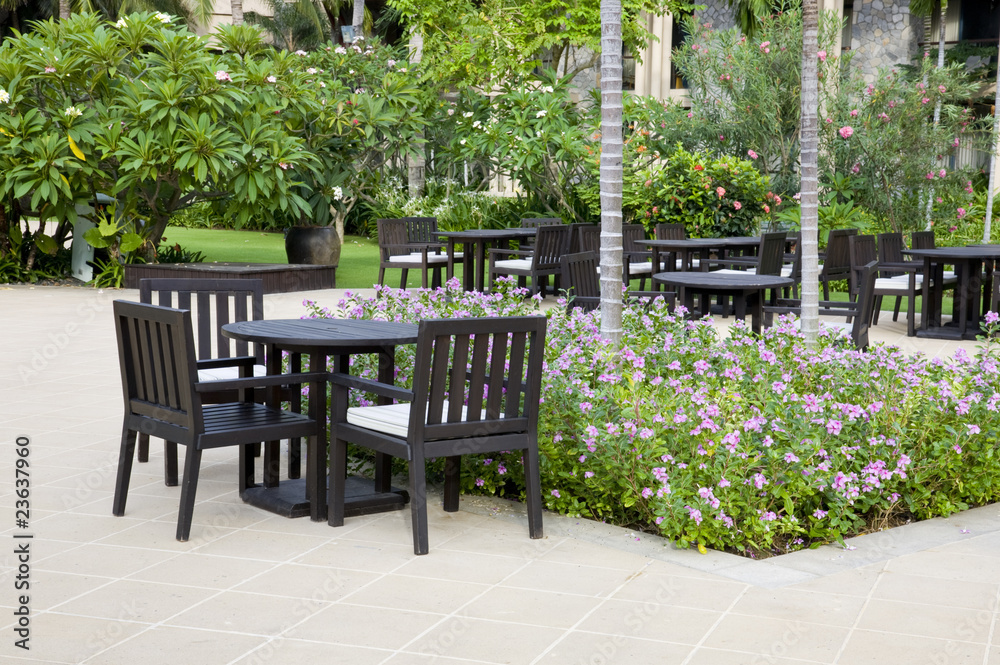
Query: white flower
541 114
467 114
338 193
322 85
359 38
162 18
121 23
451 111
476 124
547 88
73 112
350 71
301 52
402 69
391 62
359 91
311 70
4 96
462 141
272 79
222 76
340 50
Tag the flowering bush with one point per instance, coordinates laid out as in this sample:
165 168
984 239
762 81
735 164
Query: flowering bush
713 198
749 443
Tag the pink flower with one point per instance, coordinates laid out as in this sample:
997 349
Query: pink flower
955 143
222 76
942 173
767 209
284 166
930 176
777 200
961 212
883 117
690 115
854 113
737 205
829 121
870 89
846 131
555 493
952 229
942 89
752 154
925 100
50 70
721 137
764 46
720 191
821 55
856 168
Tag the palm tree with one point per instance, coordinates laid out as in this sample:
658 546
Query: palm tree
358 19
611 171
925 8
987 230
237 11
64 9
809 168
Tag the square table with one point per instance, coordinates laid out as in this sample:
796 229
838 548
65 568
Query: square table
478 241
320 339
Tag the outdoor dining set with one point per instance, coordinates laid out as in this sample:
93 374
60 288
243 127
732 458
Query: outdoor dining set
201 366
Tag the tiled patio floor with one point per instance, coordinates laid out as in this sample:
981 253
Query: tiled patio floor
254 588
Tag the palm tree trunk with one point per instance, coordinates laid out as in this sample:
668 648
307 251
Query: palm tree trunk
64 9
417 161
937 104
358 19
611 171
809 138
987 227
237 11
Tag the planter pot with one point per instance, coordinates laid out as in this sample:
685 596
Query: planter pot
313 245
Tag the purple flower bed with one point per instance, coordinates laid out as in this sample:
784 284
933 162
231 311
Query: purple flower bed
751 444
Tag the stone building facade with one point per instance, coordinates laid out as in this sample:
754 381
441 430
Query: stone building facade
883 34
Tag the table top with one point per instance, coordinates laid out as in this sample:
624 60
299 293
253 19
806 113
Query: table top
969 252
322 333
489 234
682 243
729 280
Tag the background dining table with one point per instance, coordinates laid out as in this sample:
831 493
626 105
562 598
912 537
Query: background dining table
476 242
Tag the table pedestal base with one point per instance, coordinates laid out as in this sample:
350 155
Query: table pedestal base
948 331
289 498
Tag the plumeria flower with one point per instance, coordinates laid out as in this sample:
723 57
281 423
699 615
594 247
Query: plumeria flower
73 112
272 79
50 70
163 18
300 52
4 96
338 193
283 166
340 50
541 114
311 70
121 23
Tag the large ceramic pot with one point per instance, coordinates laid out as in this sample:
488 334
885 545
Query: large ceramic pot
313 245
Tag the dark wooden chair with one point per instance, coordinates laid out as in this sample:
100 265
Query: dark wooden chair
580 280
637 259
922 240
576 232
476 389
669 260
397 251
769 260
213 303
163 398
588 239
837 260
858 313
863 250
534 223
551 242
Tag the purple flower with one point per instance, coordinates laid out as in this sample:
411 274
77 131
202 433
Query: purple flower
555 493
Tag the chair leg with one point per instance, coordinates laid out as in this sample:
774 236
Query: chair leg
423 277
418 503
125 456
335 481
170 464
911 316
381 276
189 487
533 491
452 476
246 460
878 308
402 279
143 448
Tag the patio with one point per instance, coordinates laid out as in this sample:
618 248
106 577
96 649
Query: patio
251 587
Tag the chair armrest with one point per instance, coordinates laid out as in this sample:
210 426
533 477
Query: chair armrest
234 361
908 266
735 261
383 389
259 381
511 252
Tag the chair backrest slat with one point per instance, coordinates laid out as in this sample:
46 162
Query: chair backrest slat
771 253
451 362
421 230
551 243
535 222
837 264
157 359
589 239
632 234
579 279
862 252
670 232
213 303
922 240
866 304
392 237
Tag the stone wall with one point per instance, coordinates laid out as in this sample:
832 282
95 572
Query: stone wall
883 34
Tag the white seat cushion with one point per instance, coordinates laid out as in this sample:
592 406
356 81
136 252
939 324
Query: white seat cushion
695 263
417 258
906 278
891 284
786 271
514 264
226 373
392 419
640 268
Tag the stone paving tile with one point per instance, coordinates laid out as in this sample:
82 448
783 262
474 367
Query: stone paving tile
866 647
789 638
582 647
488 641
372 627
933 621
169 645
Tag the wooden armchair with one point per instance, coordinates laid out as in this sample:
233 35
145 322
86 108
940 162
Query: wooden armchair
837 261
551 242
858 313
476 389
213 303
396 250
164 398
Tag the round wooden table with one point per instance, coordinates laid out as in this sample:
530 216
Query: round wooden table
744 289
320 339
476 242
